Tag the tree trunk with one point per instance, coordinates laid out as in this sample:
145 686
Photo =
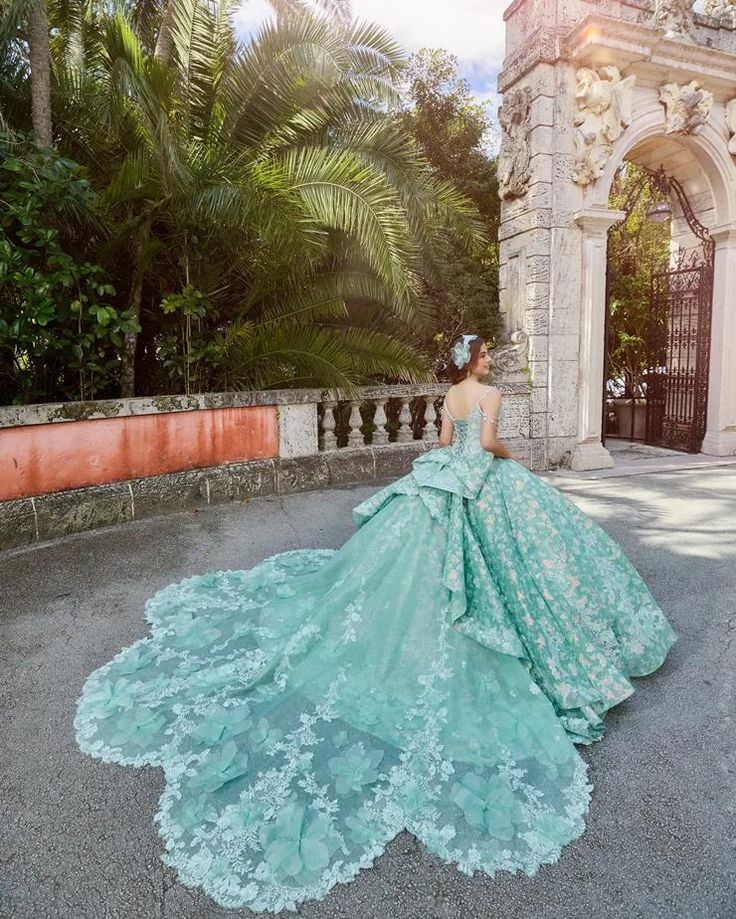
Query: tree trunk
165 40
40 62
135 300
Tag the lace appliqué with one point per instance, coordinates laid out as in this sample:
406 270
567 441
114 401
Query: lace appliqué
430 675
320 715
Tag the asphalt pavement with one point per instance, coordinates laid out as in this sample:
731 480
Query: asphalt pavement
77 838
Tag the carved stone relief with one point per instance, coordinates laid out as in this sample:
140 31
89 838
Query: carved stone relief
731 125
514 158
603 102
687 108
675 17
723 10
510 357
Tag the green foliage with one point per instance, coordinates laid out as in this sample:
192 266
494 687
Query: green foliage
59 331
264 219
636 248
451 129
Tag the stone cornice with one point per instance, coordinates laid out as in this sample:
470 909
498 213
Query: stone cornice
598 220
47 413
633 47
598 40
635 4
17 415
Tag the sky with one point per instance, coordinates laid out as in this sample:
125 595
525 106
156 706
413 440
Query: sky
473 30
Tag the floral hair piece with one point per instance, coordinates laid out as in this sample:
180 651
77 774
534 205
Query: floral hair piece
460 353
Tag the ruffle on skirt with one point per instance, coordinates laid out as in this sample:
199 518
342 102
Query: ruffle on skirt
444 481
532 576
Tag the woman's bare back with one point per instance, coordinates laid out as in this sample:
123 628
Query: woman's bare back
462 397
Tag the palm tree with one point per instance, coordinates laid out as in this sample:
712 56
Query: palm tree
279 154
268 177
27 21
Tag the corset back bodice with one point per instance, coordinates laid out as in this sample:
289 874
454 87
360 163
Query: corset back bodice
466 439
467 433
460 468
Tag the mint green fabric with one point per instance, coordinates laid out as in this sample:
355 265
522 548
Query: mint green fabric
431 675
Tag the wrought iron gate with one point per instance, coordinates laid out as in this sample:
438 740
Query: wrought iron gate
678 346
677 381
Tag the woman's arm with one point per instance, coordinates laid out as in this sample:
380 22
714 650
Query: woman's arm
498 449
490 407
446 429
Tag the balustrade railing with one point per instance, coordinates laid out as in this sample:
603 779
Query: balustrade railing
380 416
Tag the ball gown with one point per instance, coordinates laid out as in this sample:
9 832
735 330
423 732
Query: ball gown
433 674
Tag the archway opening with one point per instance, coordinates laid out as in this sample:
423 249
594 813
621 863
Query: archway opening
659 287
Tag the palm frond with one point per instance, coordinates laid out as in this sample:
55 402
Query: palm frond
343 194
279 70
268 357
374 51
12 16
194 44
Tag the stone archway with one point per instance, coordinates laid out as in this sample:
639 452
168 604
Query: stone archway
583 92
704 167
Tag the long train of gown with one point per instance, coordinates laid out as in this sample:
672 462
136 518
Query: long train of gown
431 675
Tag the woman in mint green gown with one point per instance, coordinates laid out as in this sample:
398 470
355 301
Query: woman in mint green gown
432 675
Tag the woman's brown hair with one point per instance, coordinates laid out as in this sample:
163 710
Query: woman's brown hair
455 373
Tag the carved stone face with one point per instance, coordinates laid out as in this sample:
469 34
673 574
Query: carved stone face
603 103
598 97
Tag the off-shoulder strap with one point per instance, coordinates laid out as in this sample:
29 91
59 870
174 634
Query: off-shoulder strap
491 419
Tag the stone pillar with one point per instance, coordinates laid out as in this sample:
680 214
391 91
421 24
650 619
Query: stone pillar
539 242
581 84
298 429
589 452
720 436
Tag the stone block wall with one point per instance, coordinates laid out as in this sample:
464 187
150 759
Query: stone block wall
75 466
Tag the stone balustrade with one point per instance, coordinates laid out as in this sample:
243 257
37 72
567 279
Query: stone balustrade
380 416
78 465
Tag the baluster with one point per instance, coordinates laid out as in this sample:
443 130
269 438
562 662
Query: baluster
405 432
329 441
380 435
355 436
429 434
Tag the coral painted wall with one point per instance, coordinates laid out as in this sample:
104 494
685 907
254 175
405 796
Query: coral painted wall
41 458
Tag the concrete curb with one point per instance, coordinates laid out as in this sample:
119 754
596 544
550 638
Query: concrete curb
26 521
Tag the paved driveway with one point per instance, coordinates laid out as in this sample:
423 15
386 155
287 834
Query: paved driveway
77 839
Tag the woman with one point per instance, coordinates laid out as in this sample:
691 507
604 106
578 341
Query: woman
433 674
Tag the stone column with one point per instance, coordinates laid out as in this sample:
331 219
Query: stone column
298 429
589 452
720 436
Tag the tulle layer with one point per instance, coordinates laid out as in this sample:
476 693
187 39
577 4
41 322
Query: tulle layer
307 710
431 675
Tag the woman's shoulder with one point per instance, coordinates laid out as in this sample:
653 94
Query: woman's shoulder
481 389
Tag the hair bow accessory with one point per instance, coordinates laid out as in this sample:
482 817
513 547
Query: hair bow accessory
460 353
